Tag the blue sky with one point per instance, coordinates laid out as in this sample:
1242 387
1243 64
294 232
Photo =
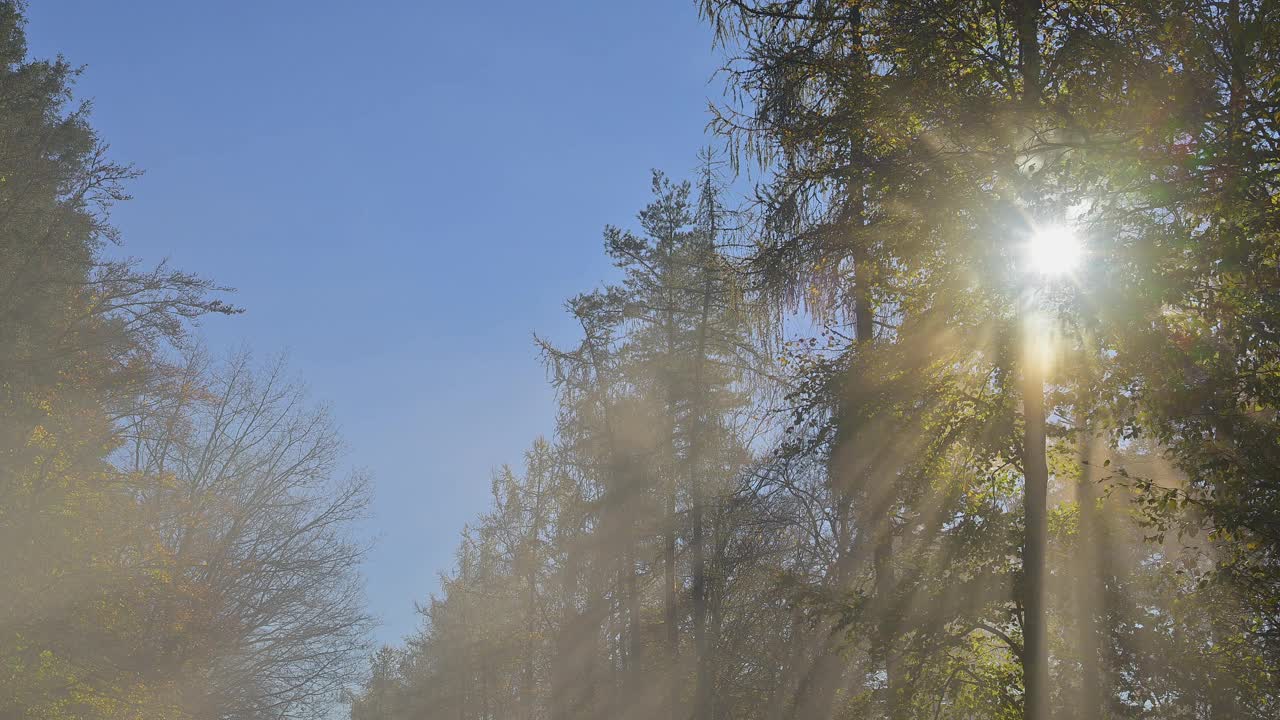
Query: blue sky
401 192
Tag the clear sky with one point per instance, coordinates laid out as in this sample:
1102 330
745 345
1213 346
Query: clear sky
402 192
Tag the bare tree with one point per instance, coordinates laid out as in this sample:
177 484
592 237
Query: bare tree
247 501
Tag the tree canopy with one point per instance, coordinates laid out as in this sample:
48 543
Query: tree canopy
174 542
886 366
832 443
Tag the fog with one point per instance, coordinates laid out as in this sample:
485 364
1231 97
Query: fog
944 385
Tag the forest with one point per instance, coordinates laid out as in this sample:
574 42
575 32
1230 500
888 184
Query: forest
946 388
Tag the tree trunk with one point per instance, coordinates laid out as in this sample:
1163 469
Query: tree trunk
697 486
635 624
669 590
671 521
715 607
527 701
1035 661
702 693
1035 658
784 687
1089 587
568 647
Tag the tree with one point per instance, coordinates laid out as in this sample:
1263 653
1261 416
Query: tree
641 476
177 546
249 514
82 337
969 122
819 465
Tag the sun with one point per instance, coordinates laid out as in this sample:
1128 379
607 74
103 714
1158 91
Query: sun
1054 250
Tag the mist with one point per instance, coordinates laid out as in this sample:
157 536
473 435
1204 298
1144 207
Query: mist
941 383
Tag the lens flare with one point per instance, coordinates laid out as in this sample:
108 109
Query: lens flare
1054 250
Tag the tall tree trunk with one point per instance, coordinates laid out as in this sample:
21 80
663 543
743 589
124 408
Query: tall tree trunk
885 585
1028 14
568 646
1089 587
1224 685
1035 655
702 692
715 607
816 689
485 696
882 529
592 681
635 624
465 662
527 701
671 607
784 687
1035 661
672 521
828 669
706 259
621 528
815 693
